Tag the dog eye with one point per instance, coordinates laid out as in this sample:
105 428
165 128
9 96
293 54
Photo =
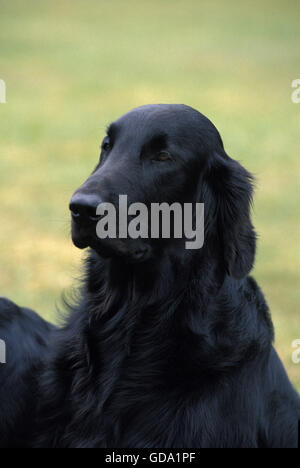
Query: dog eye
106 145
162 156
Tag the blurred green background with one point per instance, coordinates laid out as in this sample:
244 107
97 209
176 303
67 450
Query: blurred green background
72 66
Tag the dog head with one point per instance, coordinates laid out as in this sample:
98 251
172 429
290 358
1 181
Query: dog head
167 154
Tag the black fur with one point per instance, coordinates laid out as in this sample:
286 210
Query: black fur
27 339
171 349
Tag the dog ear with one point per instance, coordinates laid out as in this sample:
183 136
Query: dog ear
232 188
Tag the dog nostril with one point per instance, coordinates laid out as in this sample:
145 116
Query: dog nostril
85 207
75 214
75 210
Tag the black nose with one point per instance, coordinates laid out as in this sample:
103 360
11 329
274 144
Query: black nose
84 206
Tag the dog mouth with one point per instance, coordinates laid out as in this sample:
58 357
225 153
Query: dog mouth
131 250
81 232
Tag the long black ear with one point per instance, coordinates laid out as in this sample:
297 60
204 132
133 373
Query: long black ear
232 188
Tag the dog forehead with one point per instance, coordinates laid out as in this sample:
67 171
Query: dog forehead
171 119
178 122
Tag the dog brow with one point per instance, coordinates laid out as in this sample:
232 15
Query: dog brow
159 141
111 130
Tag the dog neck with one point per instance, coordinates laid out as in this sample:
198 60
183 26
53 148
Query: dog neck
113 284
133 319
127 301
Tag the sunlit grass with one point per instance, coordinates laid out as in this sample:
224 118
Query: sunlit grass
73 66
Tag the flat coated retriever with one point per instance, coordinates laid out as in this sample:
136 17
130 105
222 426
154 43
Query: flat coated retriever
166 347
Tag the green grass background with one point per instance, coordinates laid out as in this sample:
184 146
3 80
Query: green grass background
72 66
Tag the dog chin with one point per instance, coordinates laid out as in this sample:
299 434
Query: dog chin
130 253
80 242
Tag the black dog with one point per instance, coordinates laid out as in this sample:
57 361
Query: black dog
167 347
26 336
